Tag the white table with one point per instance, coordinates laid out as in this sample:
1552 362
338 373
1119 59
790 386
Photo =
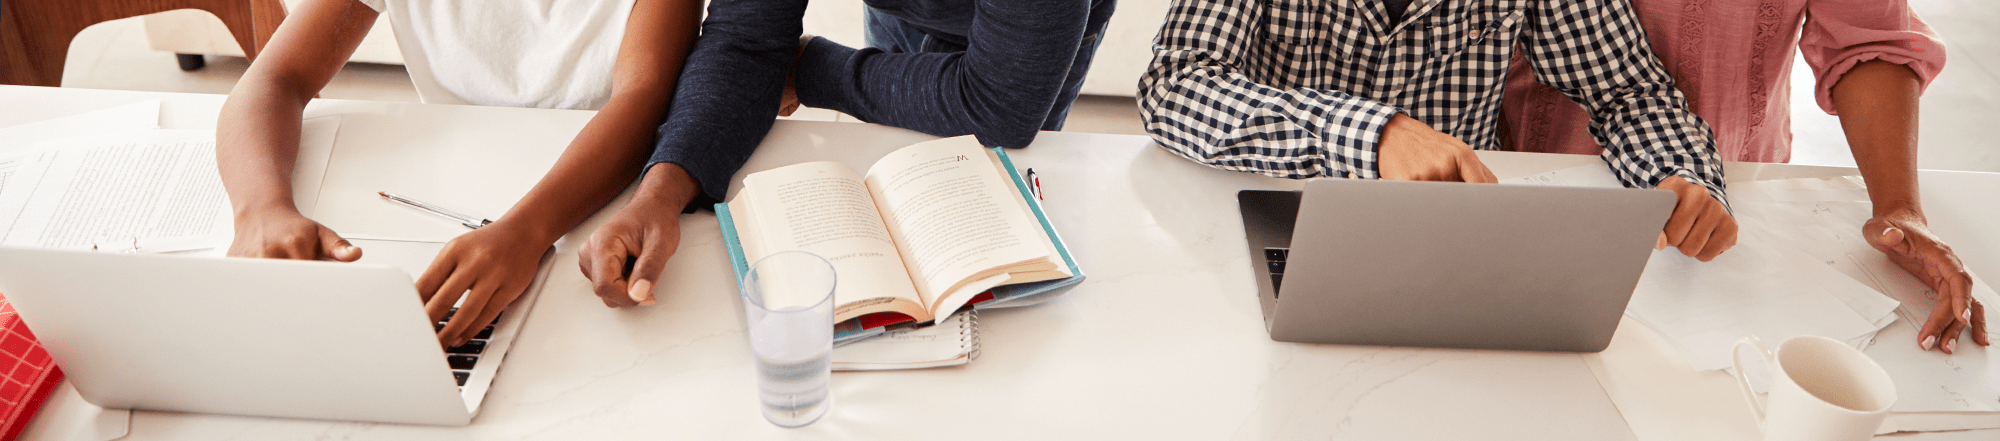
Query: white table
1164 341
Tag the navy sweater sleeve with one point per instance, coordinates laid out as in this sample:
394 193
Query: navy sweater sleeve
729 89
1000 89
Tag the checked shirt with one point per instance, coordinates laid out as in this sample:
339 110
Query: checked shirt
1302 88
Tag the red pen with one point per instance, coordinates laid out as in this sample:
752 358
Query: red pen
1034 184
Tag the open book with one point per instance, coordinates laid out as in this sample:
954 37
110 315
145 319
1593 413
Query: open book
930 229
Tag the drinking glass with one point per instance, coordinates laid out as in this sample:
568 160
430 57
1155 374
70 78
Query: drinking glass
788 301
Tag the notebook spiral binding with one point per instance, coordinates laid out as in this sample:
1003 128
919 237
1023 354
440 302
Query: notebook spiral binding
969 327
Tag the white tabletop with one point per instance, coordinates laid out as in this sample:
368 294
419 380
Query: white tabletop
1163 341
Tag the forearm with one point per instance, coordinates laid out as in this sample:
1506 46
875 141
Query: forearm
1208 114
599 162
1649 139
592 171
1645 125
257 146
1877 101
257 133
728 94
1000 88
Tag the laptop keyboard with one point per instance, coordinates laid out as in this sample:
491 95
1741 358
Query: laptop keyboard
1274 260
462 358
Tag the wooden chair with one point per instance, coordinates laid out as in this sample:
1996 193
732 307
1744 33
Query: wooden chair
35 34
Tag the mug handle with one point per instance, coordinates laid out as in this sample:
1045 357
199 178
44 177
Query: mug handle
1743 379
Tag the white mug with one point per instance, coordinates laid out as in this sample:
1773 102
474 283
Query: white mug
1821 389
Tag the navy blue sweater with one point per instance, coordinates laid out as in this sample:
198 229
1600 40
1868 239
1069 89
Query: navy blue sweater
1000 89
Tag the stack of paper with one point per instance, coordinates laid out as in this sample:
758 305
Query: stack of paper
1801 267
111 180
1823 217
1758 288
1763 286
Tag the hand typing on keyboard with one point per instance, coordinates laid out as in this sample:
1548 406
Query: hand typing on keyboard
488 267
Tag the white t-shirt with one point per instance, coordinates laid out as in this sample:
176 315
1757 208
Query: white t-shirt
554 54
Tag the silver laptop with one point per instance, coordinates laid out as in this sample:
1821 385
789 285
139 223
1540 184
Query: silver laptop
1452 265
258 337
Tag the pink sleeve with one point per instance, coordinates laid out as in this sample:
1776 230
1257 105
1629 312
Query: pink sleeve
1839 34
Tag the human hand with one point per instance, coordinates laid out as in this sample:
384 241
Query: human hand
1409 150
1906 238
1700 227
489 267
623 259
288 236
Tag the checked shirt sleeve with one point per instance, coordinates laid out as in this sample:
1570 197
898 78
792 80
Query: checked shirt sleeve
1197 100
1594 52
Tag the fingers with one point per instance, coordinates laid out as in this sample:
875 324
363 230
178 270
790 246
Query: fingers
1941 318
501 298
434 276
1699 226
476 304
1958 299
455 286
1680 222
1471 170
334 247
1978 315
1951 333
1721 240
1698 235
605 266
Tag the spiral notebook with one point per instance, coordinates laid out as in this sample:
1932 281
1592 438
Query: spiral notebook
951 342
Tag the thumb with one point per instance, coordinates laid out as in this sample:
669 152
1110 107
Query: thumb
646 273
332 245
1892 238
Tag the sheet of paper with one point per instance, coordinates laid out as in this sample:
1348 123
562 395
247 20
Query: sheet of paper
316 139
66 416
1584 176
17 141
142 191
1761 287
143 115
1756 288
1823 217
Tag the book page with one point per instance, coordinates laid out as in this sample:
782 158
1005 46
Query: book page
953 217
824 208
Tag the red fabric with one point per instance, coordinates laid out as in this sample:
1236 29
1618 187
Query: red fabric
1732 60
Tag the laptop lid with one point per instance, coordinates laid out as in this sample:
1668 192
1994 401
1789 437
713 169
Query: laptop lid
302 339
1435 264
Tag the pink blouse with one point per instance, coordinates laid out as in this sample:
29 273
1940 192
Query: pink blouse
1733 61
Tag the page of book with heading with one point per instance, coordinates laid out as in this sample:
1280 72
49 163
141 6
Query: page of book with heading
928 229
961 229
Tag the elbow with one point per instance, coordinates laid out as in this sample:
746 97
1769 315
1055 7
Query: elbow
1011 136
